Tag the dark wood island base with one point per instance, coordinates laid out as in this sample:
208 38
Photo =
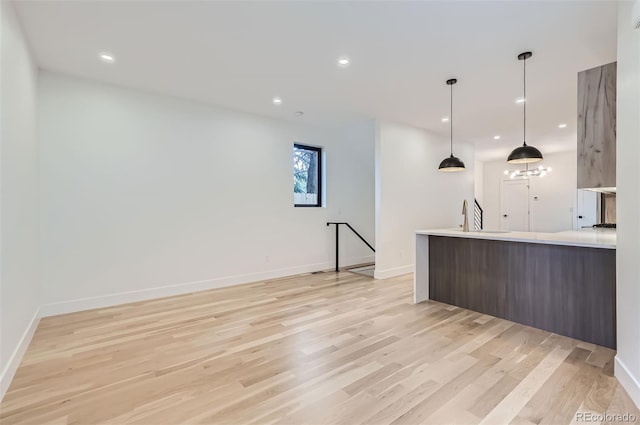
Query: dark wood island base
568 290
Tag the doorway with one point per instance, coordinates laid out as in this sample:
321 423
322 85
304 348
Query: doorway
514 205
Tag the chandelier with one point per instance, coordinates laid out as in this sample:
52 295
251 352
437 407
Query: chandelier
525 174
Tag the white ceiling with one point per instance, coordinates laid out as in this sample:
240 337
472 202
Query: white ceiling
242 54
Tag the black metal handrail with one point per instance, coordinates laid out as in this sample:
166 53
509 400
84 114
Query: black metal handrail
338 239
478 215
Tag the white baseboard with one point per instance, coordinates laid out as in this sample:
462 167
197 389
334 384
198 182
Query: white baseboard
396 271
628 381
6 376
109 300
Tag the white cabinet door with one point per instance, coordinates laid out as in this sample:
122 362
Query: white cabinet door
514 205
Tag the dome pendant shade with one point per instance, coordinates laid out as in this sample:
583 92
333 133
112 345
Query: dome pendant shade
451 164
524 154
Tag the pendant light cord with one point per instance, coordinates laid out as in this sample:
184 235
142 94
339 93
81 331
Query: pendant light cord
451 122
524 90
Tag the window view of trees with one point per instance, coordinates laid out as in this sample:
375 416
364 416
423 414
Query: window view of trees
306 175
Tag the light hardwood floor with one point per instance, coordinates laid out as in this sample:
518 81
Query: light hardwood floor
313 349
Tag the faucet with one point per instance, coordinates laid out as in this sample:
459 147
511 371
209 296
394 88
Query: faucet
465 223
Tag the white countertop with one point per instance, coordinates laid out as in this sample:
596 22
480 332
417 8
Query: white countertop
591 238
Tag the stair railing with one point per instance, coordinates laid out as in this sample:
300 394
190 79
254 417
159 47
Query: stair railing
337 224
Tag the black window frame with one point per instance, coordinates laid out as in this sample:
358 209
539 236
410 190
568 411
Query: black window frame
318 150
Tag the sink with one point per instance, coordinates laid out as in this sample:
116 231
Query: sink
493 231
484 231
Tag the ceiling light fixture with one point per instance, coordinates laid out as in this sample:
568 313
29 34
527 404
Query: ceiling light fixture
107 57
536 172
521 100
343 61
277 100
451 163
496 137
445 119
524 154
562 126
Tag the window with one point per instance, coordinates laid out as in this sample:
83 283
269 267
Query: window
307 176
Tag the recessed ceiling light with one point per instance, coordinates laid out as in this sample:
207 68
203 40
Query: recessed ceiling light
445 119
107 57
344 61
521 100
496 137
562 126
277 100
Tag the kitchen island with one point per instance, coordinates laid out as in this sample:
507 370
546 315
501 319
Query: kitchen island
560 282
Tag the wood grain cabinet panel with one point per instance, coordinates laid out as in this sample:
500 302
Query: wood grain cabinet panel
597 127
563 289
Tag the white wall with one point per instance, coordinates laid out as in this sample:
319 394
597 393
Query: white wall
145 195
411 194
478 179
627 368
19 196
553 211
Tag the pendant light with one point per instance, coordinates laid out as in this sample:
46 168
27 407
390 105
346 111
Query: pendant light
524 154
451 163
